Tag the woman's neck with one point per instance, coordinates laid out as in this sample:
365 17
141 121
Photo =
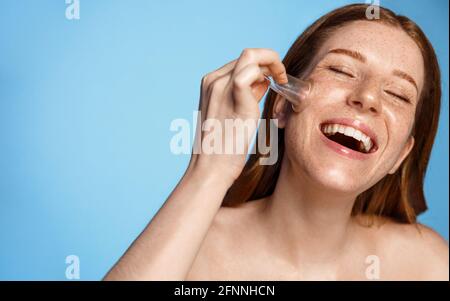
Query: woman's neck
310 221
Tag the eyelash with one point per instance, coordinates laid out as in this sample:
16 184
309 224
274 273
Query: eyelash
398 96
336 70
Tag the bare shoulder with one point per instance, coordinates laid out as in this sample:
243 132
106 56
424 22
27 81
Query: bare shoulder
432 252
412 250
218 257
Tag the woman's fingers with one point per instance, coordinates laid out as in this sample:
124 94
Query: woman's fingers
244 83
243 78
207 81
210 77
263 57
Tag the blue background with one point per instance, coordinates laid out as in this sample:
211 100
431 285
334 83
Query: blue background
85 109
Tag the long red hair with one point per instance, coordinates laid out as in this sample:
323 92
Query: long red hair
400 195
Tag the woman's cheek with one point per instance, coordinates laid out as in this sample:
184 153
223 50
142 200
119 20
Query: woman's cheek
329 88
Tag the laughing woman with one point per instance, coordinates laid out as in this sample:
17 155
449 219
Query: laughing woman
342 199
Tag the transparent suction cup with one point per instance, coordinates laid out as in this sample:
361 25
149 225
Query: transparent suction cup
296 90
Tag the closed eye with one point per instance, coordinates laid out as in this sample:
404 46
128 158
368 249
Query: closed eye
398 96
340 71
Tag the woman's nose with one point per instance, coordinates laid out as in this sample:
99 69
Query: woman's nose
366 98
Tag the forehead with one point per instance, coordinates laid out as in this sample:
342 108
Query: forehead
385 47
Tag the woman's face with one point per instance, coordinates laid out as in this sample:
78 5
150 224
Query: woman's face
367 77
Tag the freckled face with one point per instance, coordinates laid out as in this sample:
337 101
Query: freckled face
368 72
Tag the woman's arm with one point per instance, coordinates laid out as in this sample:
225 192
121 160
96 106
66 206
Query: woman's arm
167 247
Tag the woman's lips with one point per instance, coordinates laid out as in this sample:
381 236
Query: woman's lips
356 124
342 150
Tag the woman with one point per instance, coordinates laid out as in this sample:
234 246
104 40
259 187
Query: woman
331 207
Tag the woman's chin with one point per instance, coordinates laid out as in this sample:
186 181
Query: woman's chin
339 181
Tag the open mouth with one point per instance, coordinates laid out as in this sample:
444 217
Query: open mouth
349 137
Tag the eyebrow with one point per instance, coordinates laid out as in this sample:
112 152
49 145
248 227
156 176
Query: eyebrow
407 77
354 54
360 57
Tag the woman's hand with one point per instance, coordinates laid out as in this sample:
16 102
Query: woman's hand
166 249
232 93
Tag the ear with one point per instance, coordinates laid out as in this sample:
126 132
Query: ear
280 110
406 150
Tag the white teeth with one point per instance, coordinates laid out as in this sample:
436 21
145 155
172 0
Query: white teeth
332 129
335 127
368 145
349 131
358 135
366 139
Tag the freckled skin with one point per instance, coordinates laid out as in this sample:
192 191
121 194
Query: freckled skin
304 230
363 98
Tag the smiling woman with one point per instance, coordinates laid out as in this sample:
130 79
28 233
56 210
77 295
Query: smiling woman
348 182
358 65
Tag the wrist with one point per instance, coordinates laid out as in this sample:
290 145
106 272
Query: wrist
209 177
